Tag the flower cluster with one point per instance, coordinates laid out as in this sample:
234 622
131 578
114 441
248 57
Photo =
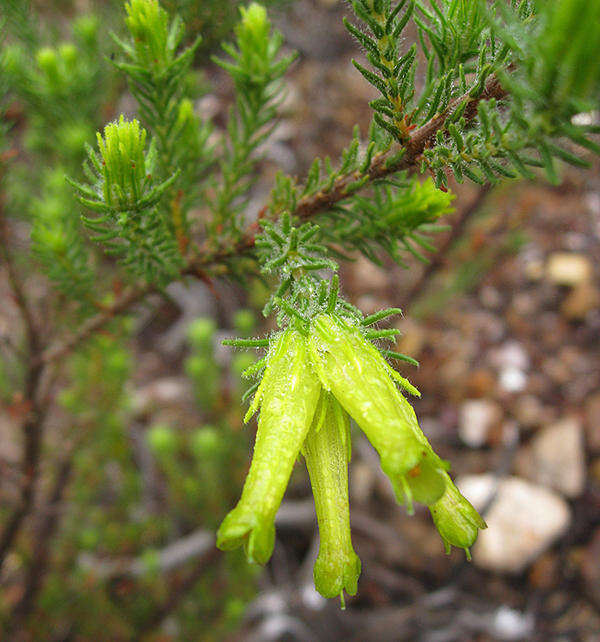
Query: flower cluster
315 379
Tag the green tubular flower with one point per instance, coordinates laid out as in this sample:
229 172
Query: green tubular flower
327 452
288 396
456 519
363 383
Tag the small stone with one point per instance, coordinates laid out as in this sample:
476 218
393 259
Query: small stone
490 297
478 417
510 354
511 360
534 269
556 457
510 624
481 383
529 411
524 304
568 268
524 519
581 300
512 379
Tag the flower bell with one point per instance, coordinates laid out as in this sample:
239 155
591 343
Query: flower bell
455 518
361 380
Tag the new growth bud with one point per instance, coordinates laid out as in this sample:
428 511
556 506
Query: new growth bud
148 24
123 162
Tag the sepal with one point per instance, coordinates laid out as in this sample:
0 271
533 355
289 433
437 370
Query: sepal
455 518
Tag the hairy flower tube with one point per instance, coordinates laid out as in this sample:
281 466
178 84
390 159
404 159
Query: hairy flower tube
287 396
316 378
361 380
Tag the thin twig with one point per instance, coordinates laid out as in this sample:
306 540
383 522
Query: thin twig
437 262
33 423
47 528
122 304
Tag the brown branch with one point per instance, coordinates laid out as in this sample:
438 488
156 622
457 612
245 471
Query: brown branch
411 160
124 302
46 529
307 207
33 422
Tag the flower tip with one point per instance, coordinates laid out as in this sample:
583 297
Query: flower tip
258 537
232 532
335 574
448 550
456 520
424 483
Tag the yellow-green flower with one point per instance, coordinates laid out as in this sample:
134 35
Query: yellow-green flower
327 452
456 520
287 396
361 380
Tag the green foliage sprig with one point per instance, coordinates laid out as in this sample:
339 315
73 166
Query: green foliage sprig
126 195
547 90
158 75
256 67
393 74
